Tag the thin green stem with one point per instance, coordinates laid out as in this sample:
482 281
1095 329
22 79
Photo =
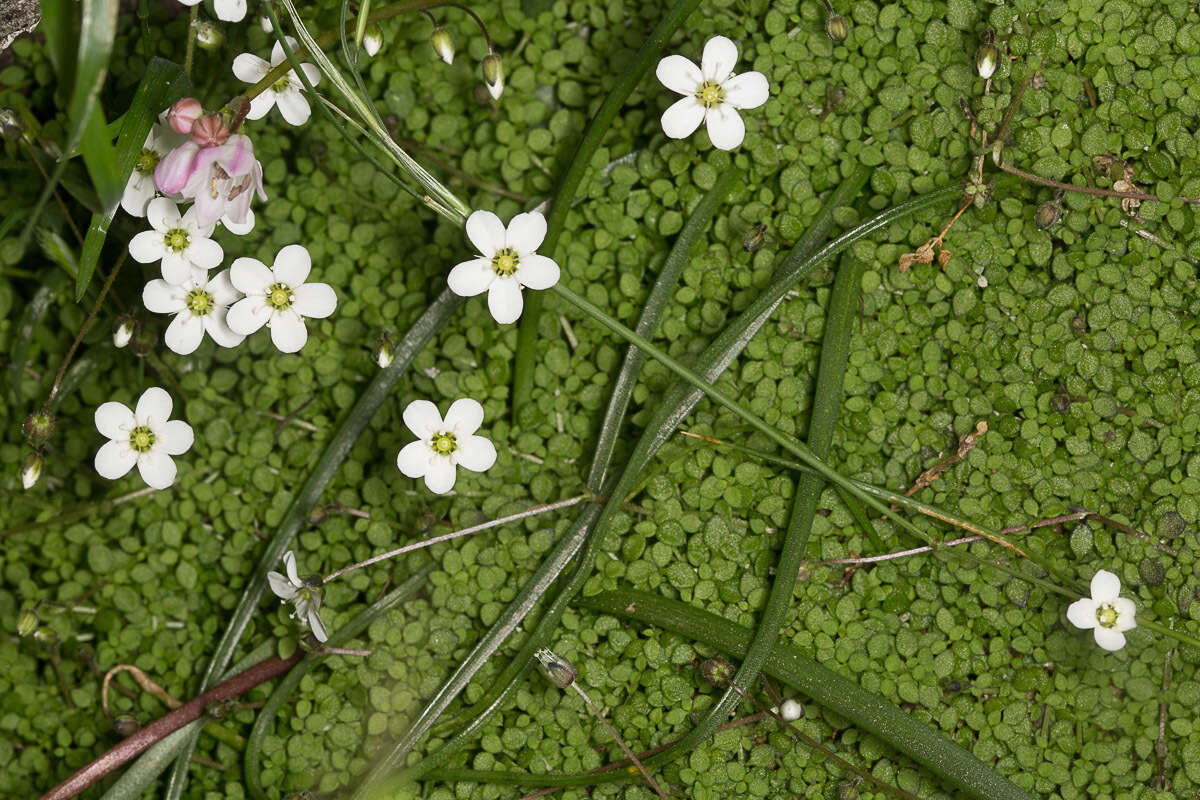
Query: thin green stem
564 195
190 52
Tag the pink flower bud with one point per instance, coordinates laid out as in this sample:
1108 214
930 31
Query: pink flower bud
184 114
209 130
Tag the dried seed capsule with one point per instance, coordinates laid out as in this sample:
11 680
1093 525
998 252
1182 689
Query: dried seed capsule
558 670
37 427
755 238
126 725
717 671
11 126
836 27
1048 213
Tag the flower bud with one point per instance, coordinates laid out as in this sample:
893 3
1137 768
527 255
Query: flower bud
790 710
209 131
27 623
755 238
125 725
1048 213
265 24
443 45
208 35
31 469
558 670
317 515
37 427
123 330
143 340
11 126
372 40
385 352
493 75
986 60
717 671
836 27
183 114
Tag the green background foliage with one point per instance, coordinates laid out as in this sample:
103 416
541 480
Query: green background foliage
1080 353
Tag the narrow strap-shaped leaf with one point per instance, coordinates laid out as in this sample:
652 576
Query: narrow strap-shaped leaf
30 318
97 29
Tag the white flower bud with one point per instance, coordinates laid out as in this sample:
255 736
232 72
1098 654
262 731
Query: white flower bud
208 35
443 45
986 60
123 331
31 470
372 40
791 710
493 75
385 352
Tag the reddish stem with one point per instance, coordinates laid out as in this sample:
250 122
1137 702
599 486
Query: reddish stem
165 725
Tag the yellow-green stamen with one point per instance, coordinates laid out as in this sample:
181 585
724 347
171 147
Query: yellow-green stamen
280 296
443 443
176 239
505 262
141 439
710 94
147 161
199 302
1106 615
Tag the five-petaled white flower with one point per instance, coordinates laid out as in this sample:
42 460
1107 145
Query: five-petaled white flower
443 445
287 92
227 10
278 297
304 594
507 261
1106 613
140 188
712 93
144 436
179 241
199 304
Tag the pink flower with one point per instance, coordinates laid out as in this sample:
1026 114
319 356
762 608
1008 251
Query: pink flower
222 179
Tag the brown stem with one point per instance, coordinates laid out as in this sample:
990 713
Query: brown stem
1070 187
165 725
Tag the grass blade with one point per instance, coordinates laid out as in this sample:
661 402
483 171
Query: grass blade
97 29
564 193
32 316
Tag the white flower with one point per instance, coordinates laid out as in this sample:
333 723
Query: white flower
140 188
287 92
1106 613
278 297
712 94
507 261
305 594
199 305
179 241
145 437
227 10
443 445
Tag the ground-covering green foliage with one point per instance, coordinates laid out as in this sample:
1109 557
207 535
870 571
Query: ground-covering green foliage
1080 353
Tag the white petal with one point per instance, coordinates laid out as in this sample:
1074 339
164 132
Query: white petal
288 332
1109 639
248 315
280 586
205 253
526 232
289 563
422 418
114 420
249 68
725 127
261 105
230 10
114 459
316 300
439 478
292 265
139 191
748 90
293 106
413 459
161 297
682 118
1126 614
222 289
162 214
679 74
1082 613
219 331
153 407
147 247
537 272
250 276
317 626
471 277
185 333
175 267
504 300
239 228
190 221
464 416
719 57
277 54
157 469
1106 587
486 232
312 73
175 437
475 453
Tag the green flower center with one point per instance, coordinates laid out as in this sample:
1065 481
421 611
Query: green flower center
281 85
199 302
443 443
710 94
280 296
505 262
1106 615
141 439
147 161
176 239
